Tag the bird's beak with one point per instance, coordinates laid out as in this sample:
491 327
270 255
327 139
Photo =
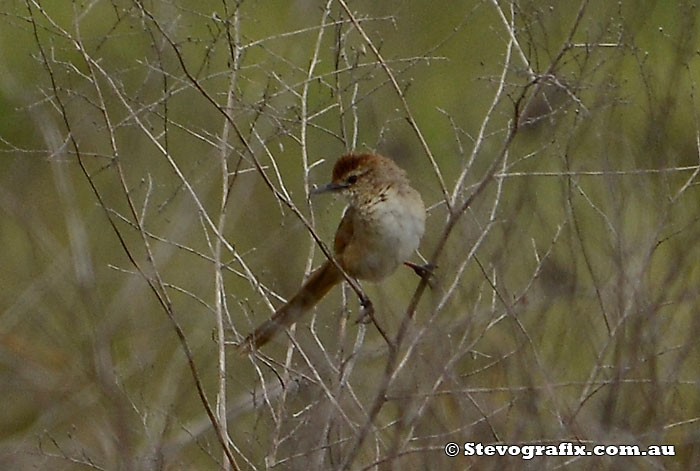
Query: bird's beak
327 188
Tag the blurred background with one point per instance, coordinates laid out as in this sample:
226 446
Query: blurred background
157 158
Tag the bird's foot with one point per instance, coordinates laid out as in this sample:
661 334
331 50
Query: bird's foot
427 271
367 317
367 312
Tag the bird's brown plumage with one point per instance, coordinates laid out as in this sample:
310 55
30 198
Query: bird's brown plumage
380 228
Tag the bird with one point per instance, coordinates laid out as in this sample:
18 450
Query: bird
381 227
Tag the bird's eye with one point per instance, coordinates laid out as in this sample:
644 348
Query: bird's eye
352 179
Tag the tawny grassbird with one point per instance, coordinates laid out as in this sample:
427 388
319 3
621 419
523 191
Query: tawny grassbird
381 227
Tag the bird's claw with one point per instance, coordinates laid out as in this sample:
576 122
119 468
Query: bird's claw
367 311
424 271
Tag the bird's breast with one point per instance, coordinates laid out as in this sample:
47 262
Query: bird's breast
386 232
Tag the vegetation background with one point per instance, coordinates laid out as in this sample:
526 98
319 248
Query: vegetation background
157 158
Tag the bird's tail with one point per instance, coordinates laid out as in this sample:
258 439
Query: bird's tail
315 288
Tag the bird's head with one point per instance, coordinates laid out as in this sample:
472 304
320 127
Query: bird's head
353 171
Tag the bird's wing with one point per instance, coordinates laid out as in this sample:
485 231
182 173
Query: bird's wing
344 233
